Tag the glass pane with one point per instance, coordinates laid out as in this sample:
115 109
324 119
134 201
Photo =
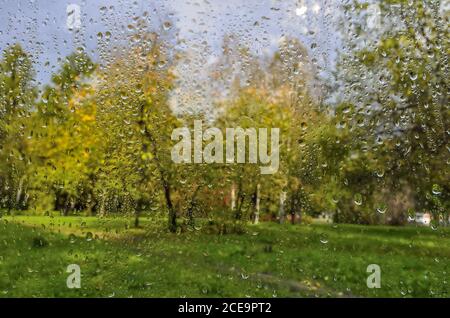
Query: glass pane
207 148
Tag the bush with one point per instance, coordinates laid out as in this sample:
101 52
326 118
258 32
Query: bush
307 219
39 242
223 227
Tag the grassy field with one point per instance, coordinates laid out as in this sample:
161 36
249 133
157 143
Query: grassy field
271 260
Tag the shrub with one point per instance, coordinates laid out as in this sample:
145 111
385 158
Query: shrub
223 227
39 242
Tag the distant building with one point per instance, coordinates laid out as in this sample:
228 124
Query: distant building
325 217
423 219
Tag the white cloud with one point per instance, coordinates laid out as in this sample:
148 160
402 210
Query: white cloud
300 11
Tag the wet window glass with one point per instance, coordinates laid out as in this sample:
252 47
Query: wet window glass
210 148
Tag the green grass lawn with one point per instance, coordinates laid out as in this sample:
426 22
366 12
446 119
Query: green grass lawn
271 260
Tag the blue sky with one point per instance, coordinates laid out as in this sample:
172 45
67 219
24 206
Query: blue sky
41 27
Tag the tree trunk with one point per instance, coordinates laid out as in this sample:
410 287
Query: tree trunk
90 204
172 217
190 210
233 197
137 212
65 210
257 199
293 209
136 219
101 211
295 206
19 192
240 203
281 210
172 213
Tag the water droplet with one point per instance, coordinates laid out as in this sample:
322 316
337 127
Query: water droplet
89 236
382 208
358 199
436 189
323 238
167 25
72 238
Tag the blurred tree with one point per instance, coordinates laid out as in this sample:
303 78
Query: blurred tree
17 96
274 93
397 79
61 142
